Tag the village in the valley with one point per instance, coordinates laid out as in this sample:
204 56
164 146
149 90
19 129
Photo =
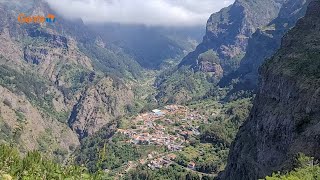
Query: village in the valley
170 127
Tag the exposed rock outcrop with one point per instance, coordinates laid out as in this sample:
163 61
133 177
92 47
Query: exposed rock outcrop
30 128
264 43
99 105
228 31
215 69
53 53
285 117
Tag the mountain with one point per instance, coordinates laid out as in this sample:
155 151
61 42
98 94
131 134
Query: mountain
263 44
223 46
228 31
59 83
151 46
285 116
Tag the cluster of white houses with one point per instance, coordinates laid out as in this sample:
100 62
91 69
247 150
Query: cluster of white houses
147 131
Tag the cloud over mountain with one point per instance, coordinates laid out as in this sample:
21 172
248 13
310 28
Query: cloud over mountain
147 12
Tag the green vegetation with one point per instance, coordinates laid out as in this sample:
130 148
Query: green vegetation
12 135
20 116
209 56
34 166
6 133
188 81
209 150
115 63
111 156
309 66
49 146
90 150
182 85
35 89
209 158
144 92
172 172
307 169
225 119
300 58
76 79
107 150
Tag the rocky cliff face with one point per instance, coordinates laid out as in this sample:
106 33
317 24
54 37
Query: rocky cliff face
265 42
285 118
228 31
222 49
30 128
100 103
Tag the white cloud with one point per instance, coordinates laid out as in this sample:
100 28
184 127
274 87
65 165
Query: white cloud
147 12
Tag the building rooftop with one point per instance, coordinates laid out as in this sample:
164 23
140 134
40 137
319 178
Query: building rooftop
156 111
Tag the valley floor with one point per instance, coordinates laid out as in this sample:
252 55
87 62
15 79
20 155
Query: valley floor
179 136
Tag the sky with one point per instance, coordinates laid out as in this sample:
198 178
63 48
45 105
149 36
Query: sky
146 12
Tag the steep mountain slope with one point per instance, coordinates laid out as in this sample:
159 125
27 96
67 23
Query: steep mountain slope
264 43
228 30
285 117
57 75
223 45
106 100
26 126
